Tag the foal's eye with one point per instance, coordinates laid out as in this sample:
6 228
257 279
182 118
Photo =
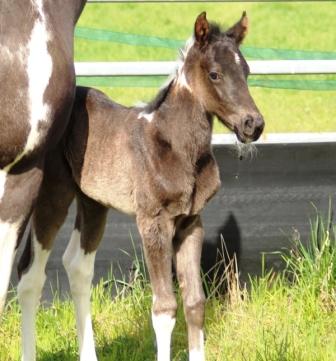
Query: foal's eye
213 75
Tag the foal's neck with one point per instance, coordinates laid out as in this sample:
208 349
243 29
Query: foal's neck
184 120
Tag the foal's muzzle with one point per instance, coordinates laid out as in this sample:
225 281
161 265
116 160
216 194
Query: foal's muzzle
252 125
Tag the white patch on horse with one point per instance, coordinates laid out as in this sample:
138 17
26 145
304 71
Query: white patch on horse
198 354
39 69
148 116
8 235
80 268
181 79
163 325
3 177
29 294
237 58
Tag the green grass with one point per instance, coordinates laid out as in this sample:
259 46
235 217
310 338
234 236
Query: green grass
304 26
286 316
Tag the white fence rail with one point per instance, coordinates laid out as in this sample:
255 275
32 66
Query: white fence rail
279 138
197 1
168 67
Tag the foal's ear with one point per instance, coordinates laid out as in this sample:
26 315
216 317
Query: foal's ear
239 30
201 29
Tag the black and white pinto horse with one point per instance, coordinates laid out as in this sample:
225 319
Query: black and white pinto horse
37 91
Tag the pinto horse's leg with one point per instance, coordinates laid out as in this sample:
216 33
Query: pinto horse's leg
78 261
18 191
188 247
157 237
55 197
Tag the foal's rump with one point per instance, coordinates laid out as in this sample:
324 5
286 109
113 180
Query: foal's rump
96 147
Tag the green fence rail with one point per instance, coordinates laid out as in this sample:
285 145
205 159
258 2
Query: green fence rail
154 41
249 52
157 81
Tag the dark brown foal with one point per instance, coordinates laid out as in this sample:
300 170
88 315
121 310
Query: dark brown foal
155 163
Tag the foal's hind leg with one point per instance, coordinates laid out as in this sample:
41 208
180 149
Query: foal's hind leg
50 211
157 234
188 247
78 261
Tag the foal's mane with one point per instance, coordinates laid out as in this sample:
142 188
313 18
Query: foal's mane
159 98
215 32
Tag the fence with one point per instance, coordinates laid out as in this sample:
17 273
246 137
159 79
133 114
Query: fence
261 67
261 61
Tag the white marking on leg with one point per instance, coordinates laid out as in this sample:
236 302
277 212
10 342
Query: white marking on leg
148 116
29 293
198 354
3 177
163 325
8 238
80 268
71 249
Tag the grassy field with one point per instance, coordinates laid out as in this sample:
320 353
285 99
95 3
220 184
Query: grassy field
287 316
301 26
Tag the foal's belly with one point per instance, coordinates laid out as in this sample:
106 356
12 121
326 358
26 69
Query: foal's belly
110 185
117 195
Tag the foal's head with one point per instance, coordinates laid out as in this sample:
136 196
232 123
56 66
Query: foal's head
216 73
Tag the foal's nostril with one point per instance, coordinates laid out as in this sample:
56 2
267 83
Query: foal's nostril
248 122
253 126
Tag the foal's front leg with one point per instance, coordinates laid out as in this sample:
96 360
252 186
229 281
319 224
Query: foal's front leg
188 248
157 236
